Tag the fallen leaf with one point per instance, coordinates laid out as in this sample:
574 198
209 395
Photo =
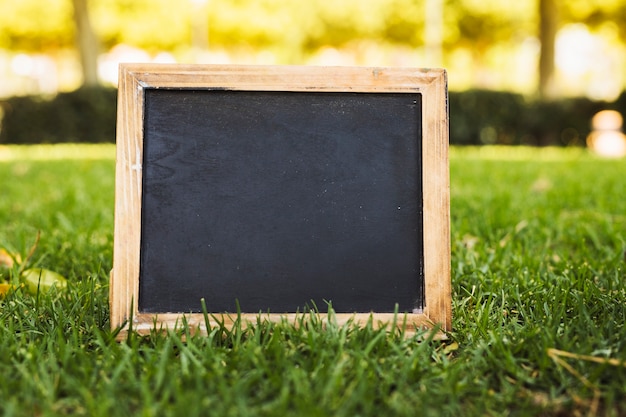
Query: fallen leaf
4 289
7 259
39 279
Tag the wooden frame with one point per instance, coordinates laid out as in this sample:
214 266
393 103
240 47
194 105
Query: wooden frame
134 79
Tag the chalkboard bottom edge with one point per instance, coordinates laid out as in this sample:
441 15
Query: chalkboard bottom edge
414 324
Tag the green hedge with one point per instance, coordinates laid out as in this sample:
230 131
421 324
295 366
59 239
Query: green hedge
487 117
86 115
480 117
476 117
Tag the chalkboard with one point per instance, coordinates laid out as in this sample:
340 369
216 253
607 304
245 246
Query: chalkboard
270 189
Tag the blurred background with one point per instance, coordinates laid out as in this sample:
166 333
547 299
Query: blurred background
520 71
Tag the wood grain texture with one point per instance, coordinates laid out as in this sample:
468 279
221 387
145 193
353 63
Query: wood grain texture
136 78
436 188
128 174
410 324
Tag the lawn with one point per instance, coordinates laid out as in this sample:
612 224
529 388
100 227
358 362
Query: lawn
538 271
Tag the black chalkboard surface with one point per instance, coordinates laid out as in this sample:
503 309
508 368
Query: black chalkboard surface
269 190
277 199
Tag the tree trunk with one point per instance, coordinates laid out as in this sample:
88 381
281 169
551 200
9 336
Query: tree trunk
548 25
86 43
433 33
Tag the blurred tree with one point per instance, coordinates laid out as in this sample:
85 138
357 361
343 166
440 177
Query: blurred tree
36 26
153 25
597 14
477 26
404 22
433 31
293 29
548 26
86 42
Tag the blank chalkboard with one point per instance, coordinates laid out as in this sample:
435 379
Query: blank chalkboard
276 199
273 189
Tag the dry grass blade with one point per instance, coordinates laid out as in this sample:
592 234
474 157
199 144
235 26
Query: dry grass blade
561 353
557 356
31 252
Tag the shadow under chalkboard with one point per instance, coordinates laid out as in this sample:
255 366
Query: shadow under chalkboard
276 199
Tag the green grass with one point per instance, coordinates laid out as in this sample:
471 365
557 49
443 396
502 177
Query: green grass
537 264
